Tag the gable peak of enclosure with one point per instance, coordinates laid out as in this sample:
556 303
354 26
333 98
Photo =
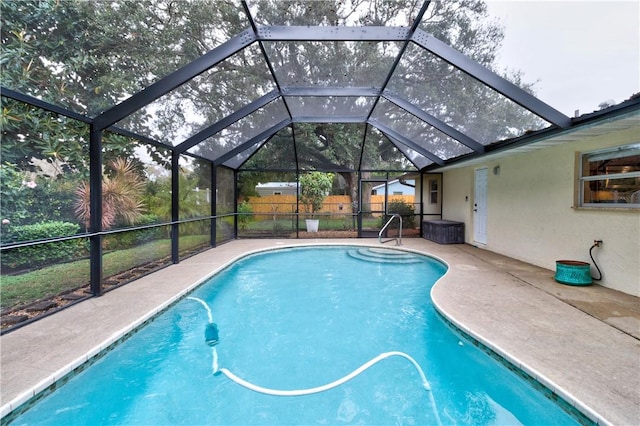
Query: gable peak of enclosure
341 86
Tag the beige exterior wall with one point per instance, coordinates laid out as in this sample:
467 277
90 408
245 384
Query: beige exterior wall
531 213
431 210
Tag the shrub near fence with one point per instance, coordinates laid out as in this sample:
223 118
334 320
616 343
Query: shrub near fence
405 210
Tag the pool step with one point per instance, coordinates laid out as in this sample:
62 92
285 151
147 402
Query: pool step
382 255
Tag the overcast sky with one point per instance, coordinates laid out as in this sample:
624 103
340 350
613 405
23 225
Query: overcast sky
581 52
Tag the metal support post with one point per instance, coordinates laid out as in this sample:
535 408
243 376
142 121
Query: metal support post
175 207
214 205
95 216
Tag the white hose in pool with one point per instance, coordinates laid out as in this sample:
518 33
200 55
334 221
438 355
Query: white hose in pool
318 389
203 303
309 391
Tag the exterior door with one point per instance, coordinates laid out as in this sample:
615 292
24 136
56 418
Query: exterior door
480 207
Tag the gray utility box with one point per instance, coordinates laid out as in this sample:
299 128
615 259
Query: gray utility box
443 231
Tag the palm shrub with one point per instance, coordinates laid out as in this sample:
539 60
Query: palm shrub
122 191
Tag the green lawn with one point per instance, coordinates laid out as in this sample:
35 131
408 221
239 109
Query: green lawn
55 279
326 223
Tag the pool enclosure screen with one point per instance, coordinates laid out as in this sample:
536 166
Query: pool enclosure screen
135 133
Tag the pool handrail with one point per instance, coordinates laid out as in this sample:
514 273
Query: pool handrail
386 225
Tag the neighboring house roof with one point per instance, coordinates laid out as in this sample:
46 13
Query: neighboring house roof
276 185
391 182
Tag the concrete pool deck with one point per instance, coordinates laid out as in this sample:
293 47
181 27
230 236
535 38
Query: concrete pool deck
581 342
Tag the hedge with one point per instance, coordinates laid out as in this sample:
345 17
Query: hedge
45 253
129 239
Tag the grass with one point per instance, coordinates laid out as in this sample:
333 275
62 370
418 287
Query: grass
48 281
56 279
326 223
52 280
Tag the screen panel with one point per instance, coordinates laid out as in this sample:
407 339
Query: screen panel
459 100
331 64
329 107
507 35
241 131
88 56
417 131
380 153
329 146
277 153
205 99
332 13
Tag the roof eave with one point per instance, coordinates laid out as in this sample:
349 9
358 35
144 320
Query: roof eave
617 112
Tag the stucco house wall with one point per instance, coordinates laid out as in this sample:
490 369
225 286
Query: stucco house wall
532 214
431 203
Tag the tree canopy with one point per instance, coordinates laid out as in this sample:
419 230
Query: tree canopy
90 56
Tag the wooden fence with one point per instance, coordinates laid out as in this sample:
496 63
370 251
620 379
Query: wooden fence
333 204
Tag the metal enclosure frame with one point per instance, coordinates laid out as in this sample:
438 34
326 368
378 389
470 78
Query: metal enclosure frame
268 34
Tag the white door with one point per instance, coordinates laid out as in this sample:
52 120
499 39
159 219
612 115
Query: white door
480 207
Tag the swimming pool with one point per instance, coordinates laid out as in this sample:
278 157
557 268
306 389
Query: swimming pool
297 319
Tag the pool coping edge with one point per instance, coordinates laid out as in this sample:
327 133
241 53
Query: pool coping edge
513 360
33 394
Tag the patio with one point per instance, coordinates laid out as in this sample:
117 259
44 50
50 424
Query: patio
581 342
123 149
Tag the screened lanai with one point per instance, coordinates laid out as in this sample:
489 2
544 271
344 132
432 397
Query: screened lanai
134 133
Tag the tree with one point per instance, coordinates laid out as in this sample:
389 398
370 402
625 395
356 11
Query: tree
31 133
421 78
314 188
88 56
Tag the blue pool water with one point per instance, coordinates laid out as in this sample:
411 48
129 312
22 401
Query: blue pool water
295 319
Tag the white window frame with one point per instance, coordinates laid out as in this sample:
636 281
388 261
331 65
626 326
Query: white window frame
604 154
433 191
